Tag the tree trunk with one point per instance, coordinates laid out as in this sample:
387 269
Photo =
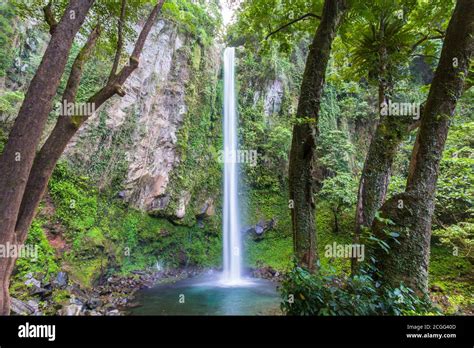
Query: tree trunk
336 221
383 148
411 211
304 133
66 128
47 157
18 154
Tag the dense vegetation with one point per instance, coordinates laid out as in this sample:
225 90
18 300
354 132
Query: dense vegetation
379 51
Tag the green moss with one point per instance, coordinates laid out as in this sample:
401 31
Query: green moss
60 296
276 248
46 263
273 251
454 275
199 172
86 272
106 236
95 236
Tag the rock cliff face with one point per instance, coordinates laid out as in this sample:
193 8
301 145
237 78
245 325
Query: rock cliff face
136 142
157 147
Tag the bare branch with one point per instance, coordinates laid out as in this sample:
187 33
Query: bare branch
118 52
306 16
114 86
424 55
426 38
77 69
49 17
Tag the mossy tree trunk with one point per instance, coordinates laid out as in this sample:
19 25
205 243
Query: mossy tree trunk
411 211
376 171
304 135
390 132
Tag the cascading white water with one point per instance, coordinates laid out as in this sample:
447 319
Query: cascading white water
232 240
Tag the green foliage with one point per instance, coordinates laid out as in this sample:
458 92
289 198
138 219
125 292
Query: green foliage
45 263
340 192
387 32
459 238
9 104
398 27
105 236
323 294
9 101
336 150
7 29
258 18
455 186
452 276
76 200
199 18
274 251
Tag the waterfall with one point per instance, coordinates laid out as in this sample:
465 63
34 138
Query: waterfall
232 252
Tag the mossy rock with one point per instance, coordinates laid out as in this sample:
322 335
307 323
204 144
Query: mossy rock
86 272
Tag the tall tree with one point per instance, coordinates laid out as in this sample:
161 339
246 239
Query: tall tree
19 152
405 222
378 51
304 134
382 49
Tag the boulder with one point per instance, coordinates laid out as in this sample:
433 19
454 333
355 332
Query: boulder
32 282
70 310
113 312
41 292
260 228
207 209
93 303
61 280
21 308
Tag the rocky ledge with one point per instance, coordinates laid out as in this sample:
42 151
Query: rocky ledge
111 297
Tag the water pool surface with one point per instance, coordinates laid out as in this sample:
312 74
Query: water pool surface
207 295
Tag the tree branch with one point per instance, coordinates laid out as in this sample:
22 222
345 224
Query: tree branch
426 38
114 86
49 17
424 55
77 69
66 127
469 82
118 52
31 201
308 15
